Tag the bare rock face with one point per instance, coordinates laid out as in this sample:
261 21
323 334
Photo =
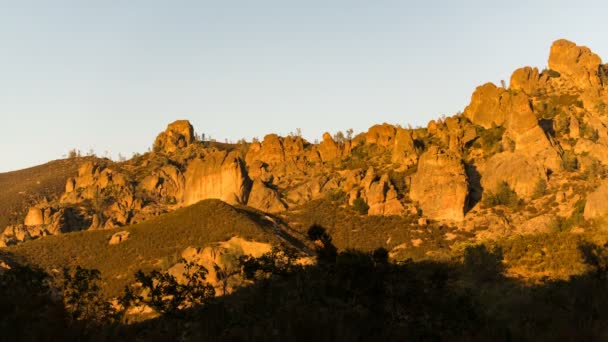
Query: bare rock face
520 172
440 185
529 138
119 237
219 175
328 149
382 198
264 198
527 80
576 63
596 205
489 106
178 134
404 151
34 217
382 135
167 182
269 151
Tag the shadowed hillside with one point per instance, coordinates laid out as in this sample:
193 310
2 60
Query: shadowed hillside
156 243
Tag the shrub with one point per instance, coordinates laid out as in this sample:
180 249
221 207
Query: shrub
163 293
504 195
483 264
540 189
360 206
490 139
569 161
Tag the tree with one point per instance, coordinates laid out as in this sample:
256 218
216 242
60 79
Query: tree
165 294
82 298
326 251
349 134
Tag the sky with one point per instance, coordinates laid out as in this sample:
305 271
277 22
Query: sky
110 75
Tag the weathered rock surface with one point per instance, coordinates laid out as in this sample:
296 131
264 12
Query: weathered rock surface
264 198
119 237
440 185
596 205
520 172
220 175
404 150
527 80
178 134
576 63
489 106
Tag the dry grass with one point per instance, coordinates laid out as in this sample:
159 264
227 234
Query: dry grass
20 189
150 242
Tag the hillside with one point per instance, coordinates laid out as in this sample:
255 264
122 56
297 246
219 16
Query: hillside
23 188
524 159
156 243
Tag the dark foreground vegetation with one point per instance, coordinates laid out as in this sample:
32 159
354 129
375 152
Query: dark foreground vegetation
346 296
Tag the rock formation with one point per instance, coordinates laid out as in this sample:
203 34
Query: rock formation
178 134
219 175
440 185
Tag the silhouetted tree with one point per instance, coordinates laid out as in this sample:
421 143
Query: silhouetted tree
326 251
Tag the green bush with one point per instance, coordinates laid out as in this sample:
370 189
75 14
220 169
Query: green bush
540 189
504 195
569 161
360 206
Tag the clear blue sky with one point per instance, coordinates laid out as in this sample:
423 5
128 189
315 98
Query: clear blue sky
109 75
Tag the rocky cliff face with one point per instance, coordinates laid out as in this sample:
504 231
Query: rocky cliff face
542 135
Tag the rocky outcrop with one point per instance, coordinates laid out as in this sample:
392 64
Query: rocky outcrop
440 185
575 63
34 217
119 237
270 150
489 106
220 260
382 135
328 148
382 198
178 134
530 139
220 175
527 80
168 182
404 150
596 205
264 198
520 172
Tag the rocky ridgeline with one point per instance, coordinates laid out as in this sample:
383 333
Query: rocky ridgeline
545 138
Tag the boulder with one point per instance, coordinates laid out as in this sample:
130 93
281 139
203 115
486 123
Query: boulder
382 135
264 198
328 148
34 217
269 151
527 80
404 151
119 237
596 205
179 134
575 63
440 185
489 105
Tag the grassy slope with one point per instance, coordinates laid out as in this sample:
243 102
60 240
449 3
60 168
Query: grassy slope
350 230
150 242
20 189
